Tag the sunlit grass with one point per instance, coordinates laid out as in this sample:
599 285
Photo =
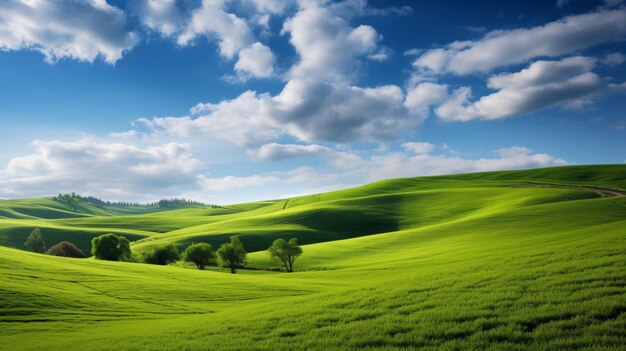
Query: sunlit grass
432 264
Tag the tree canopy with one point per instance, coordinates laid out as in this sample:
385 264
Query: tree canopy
286 251
163 255
111 247
199 253
232 254
34 242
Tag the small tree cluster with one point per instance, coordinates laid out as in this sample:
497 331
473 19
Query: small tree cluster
34 242
286 251
66 249
111 247
162 255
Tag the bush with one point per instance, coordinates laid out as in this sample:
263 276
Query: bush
66 249
111 247
199 253
162 255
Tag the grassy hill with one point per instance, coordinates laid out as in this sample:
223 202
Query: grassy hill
502 260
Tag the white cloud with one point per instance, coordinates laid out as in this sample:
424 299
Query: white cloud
110 170
420 98
542 84
419 148
507 47
81 30
317 103
329 51
210 20
162 16
402 165
276 7
232 182
279 152
257 61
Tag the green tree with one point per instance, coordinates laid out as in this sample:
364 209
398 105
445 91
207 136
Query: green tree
286 251
163 255
199 253
66 249
34 242
111 247
232 254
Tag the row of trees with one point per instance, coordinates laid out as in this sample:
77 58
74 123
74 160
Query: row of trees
111 247
231 255
35 243
75 200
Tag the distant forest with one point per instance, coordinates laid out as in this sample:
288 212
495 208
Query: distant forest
75 200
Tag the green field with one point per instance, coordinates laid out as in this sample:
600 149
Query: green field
520 260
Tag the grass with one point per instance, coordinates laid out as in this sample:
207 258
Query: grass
457 262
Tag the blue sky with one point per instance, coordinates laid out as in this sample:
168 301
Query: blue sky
228 101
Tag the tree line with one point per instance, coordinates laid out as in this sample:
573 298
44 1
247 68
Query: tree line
75 200
112 247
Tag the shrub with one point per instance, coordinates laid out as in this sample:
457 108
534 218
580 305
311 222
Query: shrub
232 254
199 253
163 255
111 247
66 249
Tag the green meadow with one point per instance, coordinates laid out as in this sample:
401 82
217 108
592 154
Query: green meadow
514 260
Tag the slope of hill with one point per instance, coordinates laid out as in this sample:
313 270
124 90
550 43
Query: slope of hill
504 260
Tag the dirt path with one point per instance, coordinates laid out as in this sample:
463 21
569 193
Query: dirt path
598 190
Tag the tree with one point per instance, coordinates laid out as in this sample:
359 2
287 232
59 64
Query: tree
287 252
34 242
199 253
111 247
163 255
232 254
66 249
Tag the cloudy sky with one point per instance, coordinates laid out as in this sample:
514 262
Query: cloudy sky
227 101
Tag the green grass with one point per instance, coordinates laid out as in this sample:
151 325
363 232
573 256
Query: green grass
479 261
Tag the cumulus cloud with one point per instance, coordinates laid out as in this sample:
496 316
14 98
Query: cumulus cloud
327 52
317 103
542 84
81 30
110 170
210 19
162 16
507 47
421 97
257 60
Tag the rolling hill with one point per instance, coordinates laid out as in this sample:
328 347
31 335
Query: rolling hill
531 259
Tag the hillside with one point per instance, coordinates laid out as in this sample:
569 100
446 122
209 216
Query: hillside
522 260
